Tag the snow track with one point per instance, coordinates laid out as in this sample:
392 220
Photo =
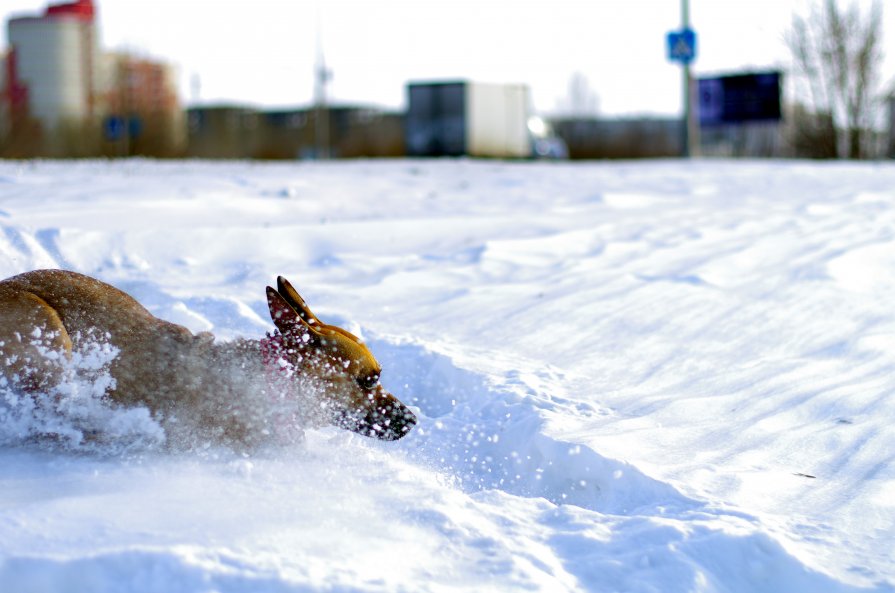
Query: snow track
482 496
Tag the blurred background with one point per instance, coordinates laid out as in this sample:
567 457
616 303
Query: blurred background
525 79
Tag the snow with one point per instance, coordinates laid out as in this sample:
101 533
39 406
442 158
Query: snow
658 376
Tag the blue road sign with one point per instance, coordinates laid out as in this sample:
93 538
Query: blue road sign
682 46
113 127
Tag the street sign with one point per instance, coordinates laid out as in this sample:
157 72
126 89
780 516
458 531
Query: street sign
113 127
682 46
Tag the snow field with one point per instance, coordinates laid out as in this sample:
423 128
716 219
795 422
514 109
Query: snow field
626 374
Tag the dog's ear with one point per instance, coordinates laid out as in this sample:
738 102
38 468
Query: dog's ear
287 319
293 298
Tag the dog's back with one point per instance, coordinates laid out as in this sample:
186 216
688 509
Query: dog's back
84 302
56 311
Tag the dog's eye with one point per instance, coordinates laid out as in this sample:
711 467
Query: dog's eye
368 382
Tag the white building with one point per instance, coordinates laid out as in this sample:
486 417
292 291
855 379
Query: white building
52 66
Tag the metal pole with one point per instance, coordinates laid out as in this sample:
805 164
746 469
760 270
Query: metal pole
321 109
691 127
321 119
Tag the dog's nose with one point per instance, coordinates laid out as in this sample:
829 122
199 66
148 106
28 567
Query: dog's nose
392 422
387 420
406 422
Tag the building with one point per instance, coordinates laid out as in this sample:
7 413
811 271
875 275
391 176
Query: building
142 114
241 132
51 72
222 132
630 138
352 131
463 118
60 96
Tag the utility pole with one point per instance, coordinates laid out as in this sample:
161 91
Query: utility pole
691 125
322 76
321 119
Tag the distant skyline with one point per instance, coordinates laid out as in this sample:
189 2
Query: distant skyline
262 52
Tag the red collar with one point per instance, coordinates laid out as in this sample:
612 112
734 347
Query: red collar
272 349
281 386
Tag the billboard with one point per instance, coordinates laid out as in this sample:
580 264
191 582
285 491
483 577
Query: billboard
739 98
436 119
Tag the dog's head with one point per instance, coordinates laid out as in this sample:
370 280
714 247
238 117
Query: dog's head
345 366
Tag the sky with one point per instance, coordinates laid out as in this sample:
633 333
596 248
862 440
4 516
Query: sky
263 52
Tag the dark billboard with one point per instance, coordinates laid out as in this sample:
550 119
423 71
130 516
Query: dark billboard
739 98
436 119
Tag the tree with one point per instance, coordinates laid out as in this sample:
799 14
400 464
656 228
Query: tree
839 51
580 99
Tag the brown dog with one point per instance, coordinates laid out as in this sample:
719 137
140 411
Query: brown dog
194 386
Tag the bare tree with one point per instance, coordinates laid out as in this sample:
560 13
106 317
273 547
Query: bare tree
580 99
839 52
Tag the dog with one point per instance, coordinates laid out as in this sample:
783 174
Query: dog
194 385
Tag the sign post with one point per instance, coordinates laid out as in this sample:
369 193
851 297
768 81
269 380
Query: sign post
682 48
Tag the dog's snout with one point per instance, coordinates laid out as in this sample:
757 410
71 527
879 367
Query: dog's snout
393 421
385 418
